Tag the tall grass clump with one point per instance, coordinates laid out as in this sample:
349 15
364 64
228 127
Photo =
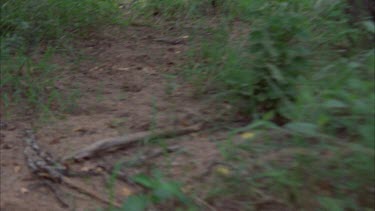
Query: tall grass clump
307 66
28 28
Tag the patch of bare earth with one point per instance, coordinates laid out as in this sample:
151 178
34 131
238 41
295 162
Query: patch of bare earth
126 86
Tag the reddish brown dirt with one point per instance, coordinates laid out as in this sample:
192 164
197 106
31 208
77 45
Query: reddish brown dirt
126 86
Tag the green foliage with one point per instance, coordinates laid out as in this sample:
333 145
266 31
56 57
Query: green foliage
344 102
264 68
161 192
301 60
181 10
302 170
30 22
310 64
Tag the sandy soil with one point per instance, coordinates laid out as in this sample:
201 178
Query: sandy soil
126 85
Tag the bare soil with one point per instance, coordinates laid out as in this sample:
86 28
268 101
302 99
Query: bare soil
127 84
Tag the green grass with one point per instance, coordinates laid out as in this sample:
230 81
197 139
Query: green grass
30 23
32 32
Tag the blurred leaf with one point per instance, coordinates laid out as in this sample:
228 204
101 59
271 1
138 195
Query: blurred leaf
167 190
369 26
275 72
332 103
302 127
144 180
136 203
330 204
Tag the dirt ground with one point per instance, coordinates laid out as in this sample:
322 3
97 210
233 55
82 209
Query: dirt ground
126 85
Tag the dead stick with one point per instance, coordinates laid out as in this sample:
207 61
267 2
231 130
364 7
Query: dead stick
54 189
126 141
87 191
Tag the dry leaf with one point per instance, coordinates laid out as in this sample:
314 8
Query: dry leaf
80 129
43 174
99 169
126 191
24 190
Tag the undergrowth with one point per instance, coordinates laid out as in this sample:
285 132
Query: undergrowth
300 67
32 32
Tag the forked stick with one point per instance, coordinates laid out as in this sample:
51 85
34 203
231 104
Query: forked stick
126 141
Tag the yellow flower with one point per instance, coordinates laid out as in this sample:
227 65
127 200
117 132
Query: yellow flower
247 135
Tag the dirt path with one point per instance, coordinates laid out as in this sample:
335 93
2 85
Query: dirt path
128 86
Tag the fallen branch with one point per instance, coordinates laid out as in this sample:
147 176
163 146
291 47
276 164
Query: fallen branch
126 141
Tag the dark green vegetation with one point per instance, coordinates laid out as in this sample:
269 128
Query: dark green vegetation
31 30
301 70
